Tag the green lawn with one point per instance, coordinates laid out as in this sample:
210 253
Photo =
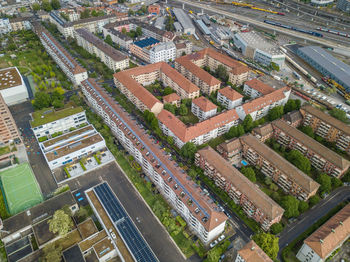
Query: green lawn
4 150
190 118
216 141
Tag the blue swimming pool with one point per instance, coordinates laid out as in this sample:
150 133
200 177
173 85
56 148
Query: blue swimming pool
244 163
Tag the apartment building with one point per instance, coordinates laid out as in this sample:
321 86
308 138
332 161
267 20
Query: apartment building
64 60
64 27
327 238
173 99
259 107
232 151
130 82
112 58
201 214
8 128
123 40
72 146
321 157
141 48
203 108
229 97
255 203
328 127
294 118
198 133
47 122
12 87
147 29
251 252
256 88
272 165
163 52
183 48
20 23
263 132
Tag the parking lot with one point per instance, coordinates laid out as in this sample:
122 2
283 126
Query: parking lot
37 161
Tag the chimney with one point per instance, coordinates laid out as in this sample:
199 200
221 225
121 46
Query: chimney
333 230
321 241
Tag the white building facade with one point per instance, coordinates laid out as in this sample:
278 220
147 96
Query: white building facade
229 98
165 176
163 52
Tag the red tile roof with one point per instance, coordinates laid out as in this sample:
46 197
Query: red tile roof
251 252
216 217
185 134
204 104
171 98
331 234
230 93
259 86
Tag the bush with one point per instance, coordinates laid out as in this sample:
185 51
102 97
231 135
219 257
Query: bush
97 159
42 139
3 210
276 228
82 165
314 200
303 206
67 172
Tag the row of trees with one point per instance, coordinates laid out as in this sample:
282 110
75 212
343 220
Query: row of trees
88 13
133 33
46 5
45 100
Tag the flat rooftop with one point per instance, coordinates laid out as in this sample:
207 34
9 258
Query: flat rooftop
67 136
146 42
73 254
73 146
256 41
48 115
10 77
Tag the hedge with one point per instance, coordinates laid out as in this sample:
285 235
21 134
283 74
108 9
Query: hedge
97 159
82 165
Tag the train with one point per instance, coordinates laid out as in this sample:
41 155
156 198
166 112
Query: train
302 96
256 8
335 32
294 28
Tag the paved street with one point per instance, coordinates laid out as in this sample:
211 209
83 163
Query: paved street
41 170
155 235
292 231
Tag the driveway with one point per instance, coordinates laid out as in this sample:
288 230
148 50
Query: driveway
37 161
156 236
306 220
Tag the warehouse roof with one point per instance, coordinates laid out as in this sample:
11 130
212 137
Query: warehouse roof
325 60
254 40
183 18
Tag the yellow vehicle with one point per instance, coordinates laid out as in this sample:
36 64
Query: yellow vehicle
190 12
211 42
241 4
339 87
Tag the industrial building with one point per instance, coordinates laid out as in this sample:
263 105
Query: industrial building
202 215
327 238
49 121
204 29
12 87
321 2
185 21
255 47
255 203
326 126
112 58
327 65
344 5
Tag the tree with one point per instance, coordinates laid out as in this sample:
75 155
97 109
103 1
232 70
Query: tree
55 4
249 173
307 130
52 253
336 182
290 106
314 200
299 160
275 113
60 223
85 14
291 206
188 150
232 132
36 7
240 130
124 31
221 73
169 24
45 4
170 108
167 91
183 110
57 103
248 123
170 140
276 228
94 13
138 31
325 182
131 12
303 206
41 100
268 243
109 40
339 114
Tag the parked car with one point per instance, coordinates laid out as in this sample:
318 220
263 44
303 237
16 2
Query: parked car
222 237
213 244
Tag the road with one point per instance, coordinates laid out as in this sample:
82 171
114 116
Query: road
254 22
156 236
293 230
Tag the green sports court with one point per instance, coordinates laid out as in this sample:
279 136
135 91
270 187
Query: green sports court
20 188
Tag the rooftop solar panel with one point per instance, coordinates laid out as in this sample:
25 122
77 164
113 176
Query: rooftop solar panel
133 239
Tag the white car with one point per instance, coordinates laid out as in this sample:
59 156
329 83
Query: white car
213 244
220 238
113 235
